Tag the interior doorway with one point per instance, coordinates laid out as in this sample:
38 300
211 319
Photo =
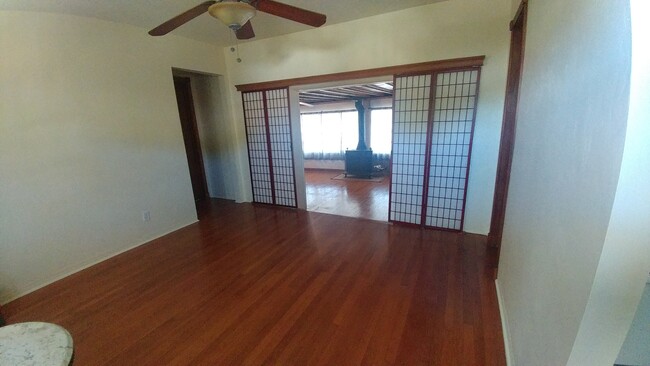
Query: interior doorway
202 109
508 132
183 89
434 136
340 124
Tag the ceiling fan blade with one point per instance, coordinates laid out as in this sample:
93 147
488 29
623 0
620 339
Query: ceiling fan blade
181 19
245 32
291 12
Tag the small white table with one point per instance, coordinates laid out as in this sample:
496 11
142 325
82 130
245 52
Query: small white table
35 343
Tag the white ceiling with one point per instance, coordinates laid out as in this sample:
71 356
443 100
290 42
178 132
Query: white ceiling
150 13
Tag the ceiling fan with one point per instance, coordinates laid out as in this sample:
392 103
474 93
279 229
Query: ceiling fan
236 14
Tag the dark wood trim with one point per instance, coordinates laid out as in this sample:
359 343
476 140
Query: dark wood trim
522 10
269 149
508 130
422 67
427 149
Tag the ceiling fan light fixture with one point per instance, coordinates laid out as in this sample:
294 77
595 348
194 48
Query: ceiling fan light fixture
234 14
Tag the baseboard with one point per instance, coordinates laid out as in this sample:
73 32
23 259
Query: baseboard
504 325
324 170
69 272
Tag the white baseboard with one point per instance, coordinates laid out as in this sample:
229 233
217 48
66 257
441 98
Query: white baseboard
504 325
67 272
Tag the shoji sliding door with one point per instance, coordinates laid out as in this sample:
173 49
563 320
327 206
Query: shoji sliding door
270 152
433 125
411 113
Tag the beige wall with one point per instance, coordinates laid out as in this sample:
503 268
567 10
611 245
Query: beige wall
565 217
445 30
89 138
514 7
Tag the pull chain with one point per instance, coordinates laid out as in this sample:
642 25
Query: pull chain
237 44
236 47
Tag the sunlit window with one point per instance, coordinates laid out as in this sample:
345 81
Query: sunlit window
327 135
381 129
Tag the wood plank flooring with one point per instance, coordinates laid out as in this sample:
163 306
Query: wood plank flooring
257 285
352 198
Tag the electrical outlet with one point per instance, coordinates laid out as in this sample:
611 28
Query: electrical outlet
146 216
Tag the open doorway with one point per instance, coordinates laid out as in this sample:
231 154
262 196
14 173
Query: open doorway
435 105
346 143
183 89
201 109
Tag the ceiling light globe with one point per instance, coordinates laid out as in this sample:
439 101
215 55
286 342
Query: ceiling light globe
231 13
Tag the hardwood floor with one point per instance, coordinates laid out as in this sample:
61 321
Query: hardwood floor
258 285
352 198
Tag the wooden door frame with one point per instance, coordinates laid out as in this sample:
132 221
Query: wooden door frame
401 70
406 69
508 130
187 83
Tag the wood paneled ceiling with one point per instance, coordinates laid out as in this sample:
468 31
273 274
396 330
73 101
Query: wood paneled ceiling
346 93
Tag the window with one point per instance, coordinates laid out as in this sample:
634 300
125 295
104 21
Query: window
381 130
326 135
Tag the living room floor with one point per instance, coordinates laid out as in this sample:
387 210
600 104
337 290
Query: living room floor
351 197
260 285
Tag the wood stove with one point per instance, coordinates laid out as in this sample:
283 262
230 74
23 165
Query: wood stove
359 162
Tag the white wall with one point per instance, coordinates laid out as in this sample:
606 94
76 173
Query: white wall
625 260
570 136
445 30
89 138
